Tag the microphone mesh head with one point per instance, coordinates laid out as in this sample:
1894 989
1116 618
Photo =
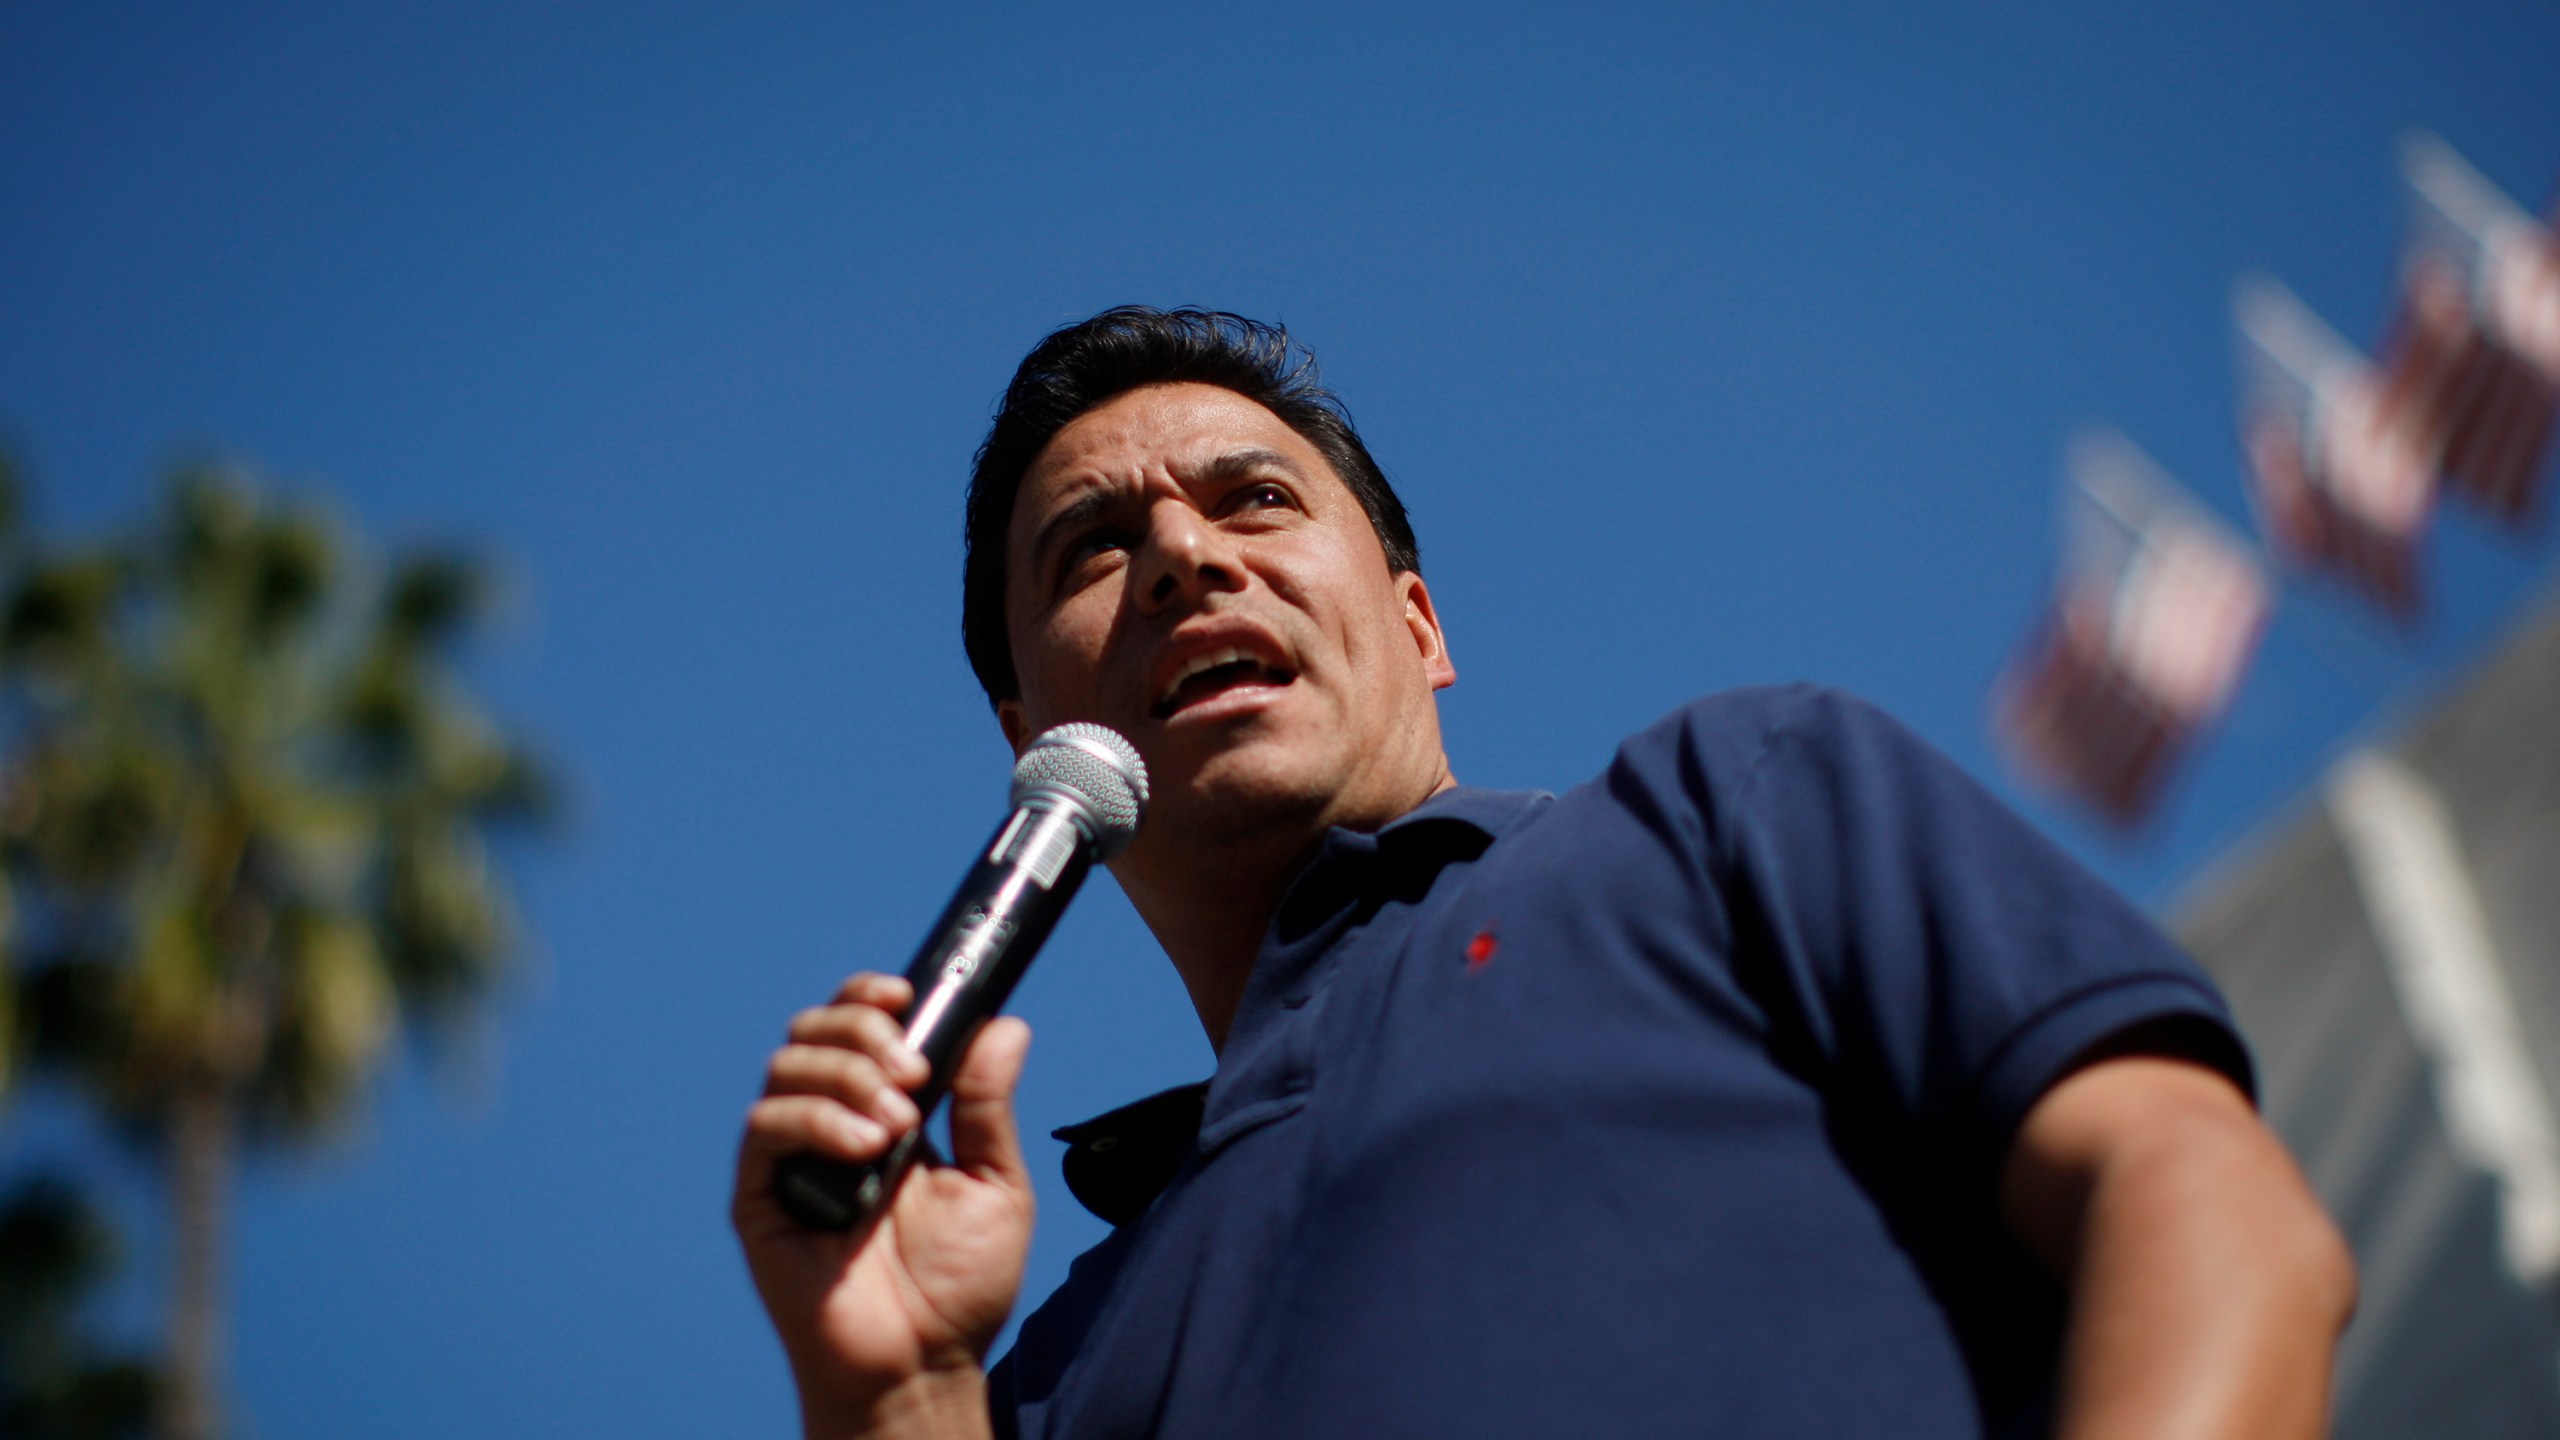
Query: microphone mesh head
1096 767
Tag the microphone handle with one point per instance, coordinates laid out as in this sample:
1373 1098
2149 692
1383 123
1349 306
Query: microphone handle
962 974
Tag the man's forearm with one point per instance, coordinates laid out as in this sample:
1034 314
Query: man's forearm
2200 1310
2208 1289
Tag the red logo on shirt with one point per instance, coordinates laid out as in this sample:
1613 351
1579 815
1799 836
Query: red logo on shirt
1480 950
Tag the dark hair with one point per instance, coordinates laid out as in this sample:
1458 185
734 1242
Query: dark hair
1079 367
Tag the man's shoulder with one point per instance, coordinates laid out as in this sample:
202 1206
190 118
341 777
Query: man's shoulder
1752 716
1804 762
1728 735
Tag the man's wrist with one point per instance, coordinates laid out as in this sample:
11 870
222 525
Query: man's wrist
930 1405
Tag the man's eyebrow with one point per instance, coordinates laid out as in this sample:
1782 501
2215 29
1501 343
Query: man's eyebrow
1085 507
1226 469
1237 464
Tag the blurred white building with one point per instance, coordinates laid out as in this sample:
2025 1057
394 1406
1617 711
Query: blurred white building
2393 952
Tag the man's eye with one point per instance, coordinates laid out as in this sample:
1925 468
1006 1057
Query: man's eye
1260 497
1084 547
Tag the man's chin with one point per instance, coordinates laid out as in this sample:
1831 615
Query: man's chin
1242 788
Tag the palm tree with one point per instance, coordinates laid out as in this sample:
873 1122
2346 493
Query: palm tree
55 1382
243 827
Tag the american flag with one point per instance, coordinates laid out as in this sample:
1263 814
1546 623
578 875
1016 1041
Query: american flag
2156 610
2474 354
2343 464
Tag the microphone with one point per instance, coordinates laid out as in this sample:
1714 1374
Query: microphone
1079 792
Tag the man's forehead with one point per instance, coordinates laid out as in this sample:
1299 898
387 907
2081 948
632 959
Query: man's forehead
1180 427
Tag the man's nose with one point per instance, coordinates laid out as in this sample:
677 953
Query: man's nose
1184 559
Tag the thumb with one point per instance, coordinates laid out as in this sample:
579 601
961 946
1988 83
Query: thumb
984 1139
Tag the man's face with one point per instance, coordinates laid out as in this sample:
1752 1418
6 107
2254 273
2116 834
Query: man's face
1186 569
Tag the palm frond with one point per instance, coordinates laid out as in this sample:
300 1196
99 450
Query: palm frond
12 513
432 598
60 614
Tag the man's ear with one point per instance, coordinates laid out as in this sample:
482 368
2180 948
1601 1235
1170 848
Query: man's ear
1428 639
1016 728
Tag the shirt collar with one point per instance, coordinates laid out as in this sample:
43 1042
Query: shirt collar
1489 812
1117 1162
1459 823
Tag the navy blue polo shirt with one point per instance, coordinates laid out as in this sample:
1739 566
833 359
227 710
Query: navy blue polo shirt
1673 1105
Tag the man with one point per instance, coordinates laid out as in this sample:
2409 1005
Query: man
1775 1083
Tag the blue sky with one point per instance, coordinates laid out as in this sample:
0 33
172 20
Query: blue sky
1709 348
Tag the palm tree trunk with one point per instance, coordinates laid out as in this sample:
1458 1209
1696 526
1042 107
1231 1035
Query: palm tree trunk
199 1183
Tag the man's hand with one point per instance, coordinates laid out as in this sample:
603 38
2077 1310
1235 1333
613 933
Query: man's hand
2207 1286
886 1332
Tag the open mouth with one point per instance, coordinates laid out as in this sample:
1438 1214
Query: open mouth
1216 673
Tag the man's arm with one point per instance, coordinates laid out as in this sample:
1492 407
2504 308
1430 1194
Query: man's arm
886 1332
2207 1285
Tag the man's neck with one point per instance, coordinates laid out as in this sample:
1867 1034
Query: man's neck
1210 919
1210 903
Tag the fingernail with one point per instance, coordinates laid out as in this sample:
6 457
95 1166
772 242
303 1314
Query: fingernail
896 1109
864 1132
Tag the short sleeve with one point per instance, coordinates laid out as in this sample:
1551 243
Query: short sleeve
1948 964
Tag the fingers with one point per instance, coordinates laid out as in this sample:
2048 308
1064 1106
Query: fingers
840 1085
865 1032
779 1125
869 987
984 1138
863 1017
844 1076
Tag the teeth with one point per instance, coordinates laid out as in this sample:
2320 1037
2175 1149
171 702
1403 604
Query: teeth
1209 660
